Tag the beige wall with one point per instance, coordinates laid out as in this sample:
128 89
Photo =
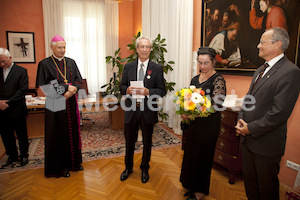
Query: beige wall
27 16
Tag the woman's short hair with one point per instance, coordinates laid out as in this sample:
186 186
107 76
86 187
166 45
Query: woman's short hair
207 51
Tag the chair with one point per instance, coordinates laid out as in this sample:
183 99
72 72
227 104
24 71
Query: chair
85 87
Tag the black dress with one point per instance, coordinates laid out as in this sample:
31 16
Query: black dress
201 136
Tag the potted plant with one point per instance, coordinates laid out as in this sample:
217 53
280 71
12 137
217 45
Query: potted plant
116 117
117 67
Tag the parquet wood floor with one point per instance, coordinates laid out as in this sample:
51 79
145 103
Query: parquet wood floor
100 179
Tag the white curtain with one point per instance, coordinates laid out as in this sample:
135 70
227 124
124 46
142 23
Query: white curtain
173 19
52 16
112 32
90 28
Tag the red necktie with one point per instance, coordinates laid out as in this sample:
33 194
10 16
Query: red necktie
265 66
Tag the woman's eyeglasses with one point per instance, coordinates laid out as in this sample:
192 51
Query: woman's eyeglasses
206 63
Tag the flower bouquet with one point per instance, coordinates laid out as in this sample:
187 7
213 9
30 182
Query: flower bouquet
193 102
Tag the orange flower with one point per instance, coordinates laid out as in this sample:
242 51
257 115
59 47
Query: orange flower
202 92
189 105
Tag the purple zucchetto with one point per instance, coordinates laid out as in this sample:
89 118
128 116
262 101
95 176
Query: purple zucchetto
57 38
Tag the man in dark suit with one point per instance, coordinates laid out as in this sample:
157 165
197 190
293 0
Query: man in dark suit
138 112
263 124
13 111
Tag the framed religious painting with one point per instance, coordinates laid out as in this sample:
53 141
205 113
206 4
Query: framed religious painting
234 27
21 46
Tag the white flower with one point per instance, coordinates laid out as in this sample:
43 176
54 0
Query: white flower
197 98
192 87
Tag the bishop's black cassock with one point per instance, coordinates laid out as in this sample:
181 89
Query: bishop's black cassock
62 128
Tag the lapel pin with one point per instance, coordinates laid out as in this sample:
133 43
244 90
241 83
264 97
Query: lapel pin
149 72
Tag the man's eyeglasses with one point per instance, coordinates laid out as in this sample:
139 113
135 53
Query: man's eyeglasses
263 42
142 47
206 63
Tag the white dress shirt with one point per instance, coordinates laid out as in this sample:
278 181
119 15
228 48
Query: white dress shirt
272 62
6 71
139 67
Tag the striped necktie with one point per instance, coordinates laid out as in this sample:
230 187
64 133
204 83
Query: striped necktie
265 66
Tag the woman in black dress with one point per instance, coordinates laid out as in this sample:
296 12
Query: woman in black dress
202 133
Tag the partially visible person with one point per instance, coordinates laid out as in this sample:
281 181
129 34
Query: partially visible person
263 126
62 128
230 15
226 46
234 8
143 116
202 133
225 20
13 110
275 15
212 25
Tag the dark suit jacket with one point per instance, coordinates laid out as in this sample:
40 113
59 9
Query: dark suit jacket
14 89
155 84
275 94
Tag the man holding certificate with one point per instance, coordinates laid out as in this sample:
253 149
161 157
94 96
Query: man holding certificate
142 82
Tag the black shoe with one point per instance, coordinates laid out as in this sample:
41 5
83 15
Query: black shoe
24 161
66 174
145 176
189 194
9 162
125 174
80 168
191 198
